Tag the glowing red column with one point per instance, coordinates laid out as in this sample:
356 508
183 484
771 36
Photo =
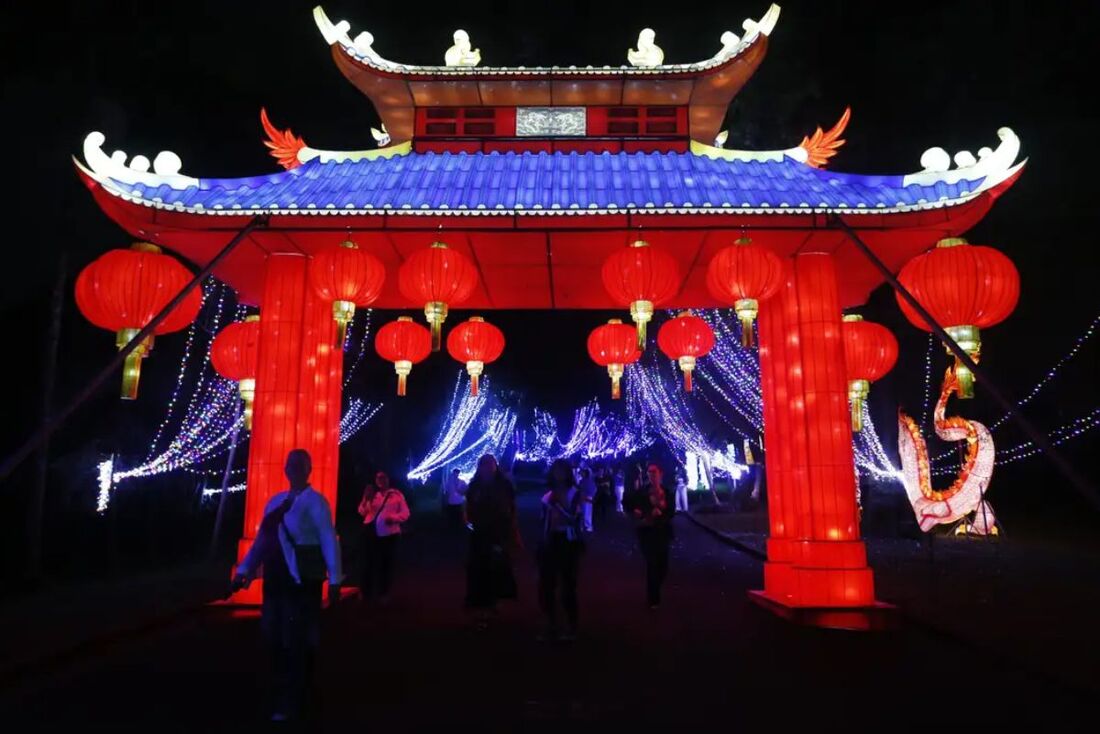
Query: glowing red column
815 555
298 392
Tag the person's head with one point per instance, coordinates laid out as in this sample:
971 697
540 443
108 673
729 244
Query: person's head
560 474
298 468
381 480
654 473
486 467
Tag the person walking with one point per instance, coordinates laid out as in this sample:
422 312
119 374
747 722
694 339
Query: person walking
454 500
494 537
560 550
649 507
295 547
620 487
588 491
681 492
383 510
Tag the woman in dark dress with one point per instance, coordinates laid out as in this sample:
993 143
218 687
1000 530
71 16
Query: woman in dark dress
494 537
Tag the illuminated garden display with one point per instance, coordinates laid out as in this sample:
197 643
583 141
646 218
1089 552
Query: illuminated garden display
600 188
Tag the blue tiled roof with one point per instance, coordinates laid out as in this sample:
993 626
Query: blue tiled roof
527 181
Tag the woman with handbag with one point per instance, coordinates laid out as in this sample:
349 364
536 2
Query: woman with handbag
295 545
383 509
560 550
494 536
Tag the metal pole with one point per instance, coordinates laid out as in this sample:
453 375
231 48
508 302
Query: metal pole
1079 482
213 552
12 462
38 499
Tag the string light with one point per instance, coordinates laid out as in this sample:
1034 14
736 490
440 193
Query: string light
106 481
356 417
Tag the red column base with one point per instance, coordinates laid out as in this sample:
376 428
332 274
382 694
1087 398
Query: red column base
874 617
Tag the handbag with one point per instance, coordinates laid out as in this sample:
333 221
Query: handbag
311 561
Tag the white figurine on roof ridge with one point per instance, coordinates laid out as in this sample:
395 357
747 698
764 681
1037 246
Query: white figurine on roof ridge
648 52
461 54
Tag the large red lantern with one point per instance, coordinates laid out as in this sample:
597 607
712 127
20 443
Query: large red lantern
614 345
965 288
476 343
685 338
642 277
348 277
235 356
123 290
404 343
870 351
743 275
438 277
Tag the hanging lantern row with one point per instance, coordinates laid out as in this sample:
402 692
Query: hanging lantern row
404 343
870 351
685 338
965 288
348 277
614 345
475 343
123 291
235 356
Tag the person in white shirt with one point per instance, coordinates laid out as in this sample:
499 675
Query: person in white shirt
295 547
383 509
620 487
454 500
588 490
681 493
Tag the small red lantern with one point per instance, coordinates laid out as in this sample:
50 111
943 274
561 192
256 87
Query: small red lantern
405 343
686 338
476 343
870 351
235 356
965 288
348 277
743 275
123 290
614 345
642 277
438 277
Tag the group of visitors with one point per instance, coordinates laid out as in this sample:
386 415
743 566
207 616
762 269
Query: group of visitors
296 548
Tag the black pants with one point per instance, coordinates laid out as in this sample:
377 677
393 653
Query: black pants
455 516
290 619
654 543
602 503
559 562
377 568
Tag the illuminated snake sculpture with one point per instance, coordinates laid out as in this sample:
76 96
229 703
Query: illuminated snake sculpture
966 494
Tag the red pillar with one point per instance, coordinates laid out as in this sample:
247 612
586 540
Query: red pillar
815 556
298 393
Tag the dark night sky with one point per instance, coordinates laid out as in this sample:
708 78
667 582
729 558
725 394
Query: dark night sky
191 77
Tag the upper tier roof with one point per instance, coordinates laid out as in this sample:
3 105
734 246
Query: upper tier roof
396 90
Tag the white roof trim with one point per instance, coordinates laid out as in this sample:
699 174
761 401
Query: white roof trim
166 166
990 164
339 33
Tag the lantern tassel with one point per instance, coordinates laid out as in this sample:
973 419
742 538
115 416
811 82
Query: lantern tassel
436 313
746 332
247 389
474 386
641 312
403 368
343 312
858 390
857 415
616 372
687 380
746 310
687 364
474 369
131 369
965 380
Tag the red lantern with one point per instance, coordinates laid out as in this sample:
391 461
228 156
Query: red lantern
686 338
870 351
642 277
965 288
476 343
438 277
348 277
404 343
743 275
123 290
235 356
614 345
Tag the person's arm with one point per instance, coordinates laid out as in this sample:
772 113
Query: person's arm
249 566
399 509
321 514
364 505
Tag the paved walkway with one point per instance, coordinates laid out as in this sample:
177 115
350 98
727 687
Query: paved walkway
707 657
